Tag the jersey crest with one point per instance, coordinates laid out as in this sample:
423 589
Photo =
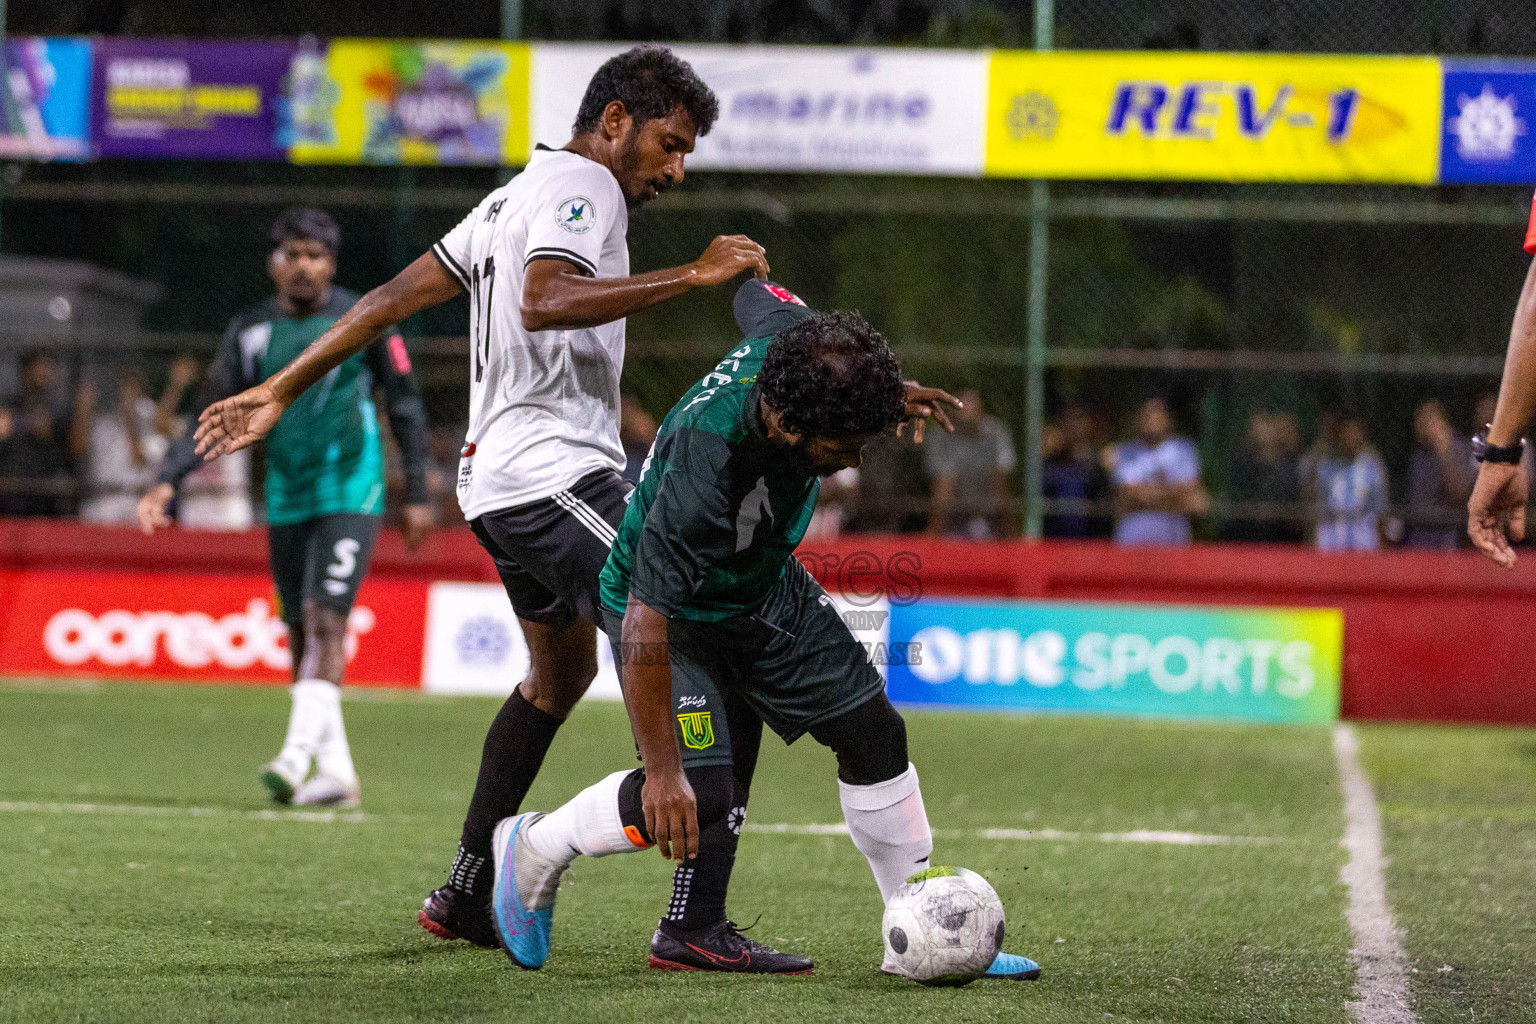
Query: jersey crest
575 215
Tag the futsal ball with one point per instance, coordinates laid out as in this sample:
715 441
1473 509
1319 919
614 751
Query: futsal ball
943 927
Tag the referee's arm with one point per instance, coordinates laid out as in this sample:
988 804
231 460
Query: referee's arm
1496 510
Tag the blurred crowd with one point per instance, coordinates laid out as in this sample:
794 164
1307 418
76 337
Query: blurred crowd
76 447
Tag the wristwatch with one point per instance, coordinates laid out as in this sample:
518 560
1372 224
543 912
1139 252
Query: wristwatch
1508 454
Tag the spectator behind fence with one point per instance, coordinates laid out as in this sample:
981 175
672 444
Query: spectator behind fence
1351 491
1072 472
893 486
216 495
39 444
127 446
1156 477
968 470
637 429
1266 477
1440 475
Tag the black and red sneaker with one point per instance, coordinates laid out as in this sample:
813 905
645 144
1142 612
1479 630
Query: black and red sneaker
719 947
451 913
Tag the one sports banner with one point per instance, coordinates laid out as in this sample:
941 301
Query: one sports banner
191 98
417 102
1489 123
1261 664
802 108
1214 117
47 99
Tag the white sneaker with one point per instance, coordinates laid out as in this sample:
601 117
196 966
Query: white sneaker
281 780
329 791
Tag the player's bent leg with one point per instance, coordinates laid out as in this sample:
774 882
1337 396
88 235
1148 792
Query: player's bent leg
563 663
883 807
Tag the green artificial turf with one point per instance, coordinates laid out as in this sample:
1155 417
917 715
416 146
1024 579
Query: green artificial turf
1458 809
174 917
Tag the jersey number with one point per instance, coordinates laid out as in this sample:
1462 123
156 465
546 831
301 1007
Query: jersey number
480 349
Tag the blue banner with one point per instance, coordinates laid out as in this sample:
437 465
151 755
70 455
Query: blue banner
47 99
1260 664
1489 130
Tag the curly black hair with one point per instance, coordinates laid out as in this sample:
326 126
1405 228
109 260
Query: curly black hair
651 82
833 375
309 224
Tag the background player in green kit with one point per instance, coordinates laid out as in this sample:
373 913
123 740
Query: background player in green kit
717 629
324 488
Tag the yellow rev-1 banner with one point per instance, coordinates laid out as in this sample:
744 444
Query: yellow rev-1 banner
1213 117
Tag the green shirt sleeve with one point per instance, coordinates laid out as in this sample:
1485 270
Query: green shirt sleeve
690 527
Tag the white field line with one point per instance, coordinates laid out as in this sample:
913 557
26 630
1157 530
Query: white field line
1138 836
780 828
1381 981
149 810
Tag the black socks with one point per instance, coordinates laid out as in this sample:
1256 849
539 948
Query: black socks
515 746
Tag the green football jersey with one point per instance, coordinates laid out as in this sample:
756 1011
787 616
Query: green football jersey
718 511
325 455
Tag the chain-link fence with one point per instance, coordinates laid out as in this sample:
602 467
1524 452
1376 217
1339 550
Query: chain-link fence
1264 315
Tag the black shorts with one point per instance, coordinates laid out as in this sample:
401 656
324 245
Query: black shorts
549 552
794 664
323 560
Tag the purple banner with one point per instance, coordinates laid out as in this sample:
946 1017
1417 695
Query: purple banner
190 99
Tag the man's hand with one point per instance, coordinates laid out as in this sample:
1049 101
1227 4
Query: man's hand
923 403
238 422
152 507
1496 510
415 523
727 256
671 814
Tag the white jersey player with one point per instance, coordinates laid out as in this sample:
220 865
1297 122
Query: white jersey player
545 263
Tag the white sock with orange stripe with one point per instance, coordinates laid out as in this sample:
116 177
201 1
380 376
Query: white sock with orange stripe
589 823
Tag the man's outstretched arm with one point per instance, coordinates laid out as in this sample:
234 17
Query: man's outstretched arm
671 809
246 418
1496 510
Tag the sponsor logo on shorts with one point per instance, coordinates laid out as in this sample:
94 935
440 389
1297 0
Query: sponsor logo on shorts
692 701
698 732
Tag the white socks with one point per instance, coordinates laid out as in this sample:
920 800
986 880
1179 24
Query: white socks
315 731
889 827
588 824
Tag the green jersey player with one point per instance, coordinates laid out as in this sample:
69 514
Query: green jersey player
717 629
324 488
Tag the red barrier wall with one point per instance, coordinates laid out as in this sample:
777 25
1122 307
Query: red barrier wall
1426 635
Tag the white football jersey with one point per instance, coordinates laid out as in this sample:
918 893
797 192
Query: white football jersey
543 405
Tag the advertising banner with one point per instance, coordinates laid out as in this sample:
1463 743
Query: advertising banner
1489 123
417 102
792 108
192 628
1214 117
474 644
47 99
1260 664
196 99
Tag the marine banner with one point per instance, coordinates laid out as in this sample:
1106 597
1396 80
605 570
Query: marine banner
46 96
801 108
1490 123
416 102
1214 117
1260 664
198 99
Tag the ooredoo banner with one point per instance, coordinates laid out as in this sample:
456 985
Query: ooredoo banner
191 99
1261 664
793 108
1214 117
192 628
